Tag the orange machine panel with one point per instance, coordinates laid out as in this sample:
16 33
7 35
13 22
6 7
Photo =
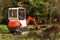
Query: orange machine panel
14 24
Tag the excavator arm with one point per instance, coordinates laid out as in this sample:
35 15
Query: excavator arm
33 20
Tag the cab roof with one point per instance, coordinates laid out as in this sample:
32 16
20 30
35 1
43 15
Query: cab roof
17 8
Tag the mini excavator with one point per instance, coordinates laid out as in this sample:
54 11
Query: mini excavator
17 19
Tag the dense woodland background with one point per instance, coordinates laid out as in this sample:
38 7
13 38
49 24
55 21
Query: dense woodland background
45 11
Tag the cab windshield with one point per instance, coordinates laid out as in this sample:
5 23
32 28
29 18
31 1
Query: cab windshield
21 14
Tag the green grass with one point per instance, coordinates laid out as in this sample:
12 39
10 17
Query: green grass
3 29
4 34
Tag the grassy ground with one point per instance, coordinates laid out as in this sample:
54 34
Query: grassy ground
5 35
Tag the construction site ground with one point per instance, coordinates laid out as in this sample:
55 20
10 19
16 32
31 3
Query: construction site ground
33 34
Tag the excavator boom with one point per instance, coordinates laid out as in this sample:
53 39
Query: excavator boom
31 19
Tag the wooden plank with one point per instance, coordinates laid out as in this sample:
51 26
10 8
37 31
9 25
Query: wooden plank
46 28
25 33
42 29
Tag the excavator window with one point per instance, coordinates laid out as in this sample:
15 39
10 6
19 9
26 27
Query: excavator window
13 13
21 14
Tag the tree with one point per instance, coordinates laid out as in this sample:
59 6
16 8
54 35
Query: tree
52 9
36 8
4 5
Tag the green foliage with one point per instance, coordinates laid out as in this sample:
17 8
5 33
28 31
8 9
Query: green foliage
36 8
37 5
4 5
